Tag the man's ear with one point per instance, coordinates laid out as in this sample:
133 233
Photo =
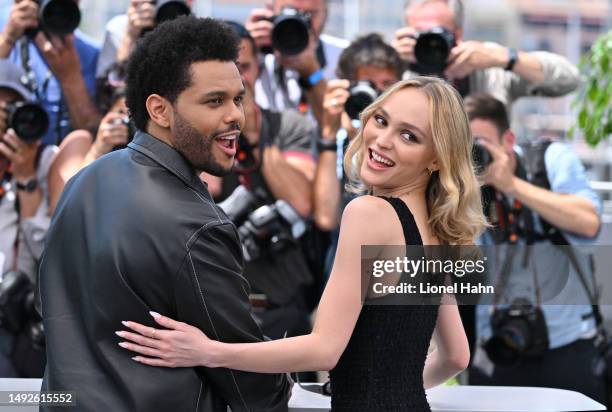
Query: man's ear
160 110
508 140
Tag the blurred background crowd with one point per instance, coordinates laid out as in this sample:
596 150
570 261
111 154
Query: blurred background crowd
309 68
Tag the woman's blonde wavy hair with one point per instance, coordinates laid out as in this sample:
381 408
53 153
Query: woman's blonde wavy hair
453 192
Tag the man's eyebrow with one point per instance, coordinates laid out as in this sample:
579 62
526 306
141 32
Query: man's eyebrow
407 124
216 93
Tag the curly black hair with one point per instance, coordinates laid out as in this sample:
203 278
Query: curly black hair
160 63
370 49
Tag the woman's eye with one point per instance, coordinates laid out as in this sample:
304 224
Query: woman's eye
380 120
408 136
238 100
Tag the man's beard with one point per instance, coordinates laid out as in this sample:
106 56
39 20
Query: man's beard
197 148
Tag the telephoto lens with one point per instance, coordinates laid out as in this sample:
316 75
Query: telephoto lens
291 31
170 9
361 95
59 17
29 120
433 47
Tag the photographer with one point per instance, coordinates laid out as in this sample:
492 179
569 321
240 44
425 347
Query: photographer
122 31
559 209
292 79
24 163
432 43
367 67
59 60
82 147
273 163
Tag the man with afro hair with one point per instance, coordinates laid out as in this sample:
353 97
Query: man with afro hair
137 234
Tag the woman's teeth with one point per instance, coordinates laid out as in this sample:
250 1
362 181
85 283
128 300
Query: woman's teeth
381 159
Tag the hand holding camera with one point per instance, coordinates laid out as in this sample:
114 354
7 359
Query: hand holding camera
336 95
24 16
259 25
113 132
404 43
141 15
22 155
474 55
499 173
61 56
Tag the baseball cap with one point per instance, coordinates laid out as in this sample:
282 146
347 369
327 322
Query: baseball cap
11 77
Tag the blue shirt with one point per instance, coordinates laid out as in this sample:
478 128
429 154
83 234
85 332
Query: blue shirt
51 93
566 322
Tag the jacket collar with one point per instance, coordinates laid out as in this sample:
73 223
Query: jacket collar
169 158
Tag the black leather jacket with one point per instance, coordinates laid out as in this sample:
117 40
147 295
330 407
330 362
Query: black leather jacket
138 231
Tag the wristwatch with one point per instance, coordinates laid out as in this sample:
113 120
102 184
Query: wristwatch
326 145
28 186
512 58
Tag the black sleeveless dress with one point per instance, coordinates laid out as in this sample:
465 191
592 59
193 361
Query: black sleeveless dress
382 366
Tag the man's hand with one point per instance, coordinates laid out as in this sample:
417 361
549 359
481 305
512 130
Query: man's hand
24 15
61 56
112 132
141 15
404 43
473 55
259 26
305 63
334 99
21 155
499 173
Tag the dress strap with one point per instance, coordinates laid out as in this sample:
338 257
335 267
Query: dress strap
409 226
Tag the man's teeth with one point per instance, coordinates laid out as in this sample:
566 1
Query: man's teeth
381 159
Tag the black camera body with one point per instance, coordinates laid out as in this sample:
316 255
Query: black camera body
17 309
361 95
517 331
432 49
57 17
29 120
482 157
264 230
291 31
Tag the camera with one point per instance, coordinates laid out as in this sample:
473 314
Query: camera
432 49
166 10
264 230
131 131
361 95
482 157
57 17
518 331
291 31
29 120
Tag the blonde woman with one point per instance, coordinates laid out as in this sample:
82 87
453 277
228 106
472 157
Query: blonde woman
413 158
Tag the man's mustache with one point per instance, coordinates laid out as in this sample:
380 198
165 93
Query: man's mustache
234 127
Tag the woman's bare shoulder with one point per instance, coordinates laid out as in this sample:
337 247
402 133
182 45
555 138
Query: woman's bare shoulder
373 217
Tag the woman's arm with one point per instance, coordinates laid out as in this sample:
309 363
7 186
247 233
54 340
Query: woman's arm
451 354
320 350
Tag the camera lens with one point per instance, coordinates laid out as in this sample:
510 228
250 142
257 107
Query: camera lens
433 47
291 32
360 96
29 120
60 17
482 157
170 10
